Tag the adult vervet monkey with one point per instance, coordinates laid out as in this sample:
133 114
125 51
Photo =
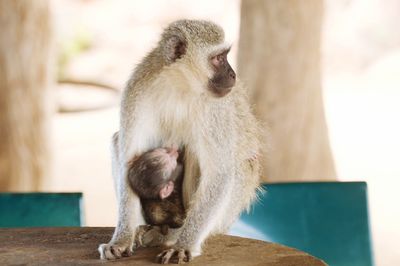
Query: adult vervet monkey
183 93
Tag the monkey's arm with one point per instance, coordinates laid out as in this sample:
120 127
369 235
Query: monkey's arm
212 197
129 210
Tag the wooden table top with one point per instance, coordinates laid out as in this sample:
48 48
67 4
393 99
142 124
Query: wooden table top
78 246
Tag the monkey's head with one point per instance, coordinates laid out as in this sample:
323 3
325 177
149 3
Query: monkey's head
164 160
154 173
197 48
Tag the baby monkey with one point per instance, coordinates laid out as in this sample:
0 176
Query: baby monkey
156 177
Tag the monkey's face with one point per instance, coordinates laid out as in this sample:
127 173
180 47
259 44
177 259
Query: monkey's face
200 51
224 77
168 159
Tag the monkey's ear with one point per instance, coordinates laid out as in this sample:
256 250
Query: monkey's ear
166 190
174 48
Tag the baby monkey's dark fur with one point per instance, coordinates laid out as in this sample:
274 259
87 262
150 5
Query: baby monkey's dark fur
151 173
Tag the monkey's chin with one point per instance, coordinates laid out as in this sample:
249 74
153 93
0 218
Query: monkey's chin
219 93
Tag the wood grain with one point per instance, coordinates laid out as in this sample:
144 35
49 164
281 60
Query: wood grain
78 246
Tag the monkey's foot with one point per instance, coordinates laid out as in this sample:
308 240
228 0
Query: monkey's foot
153 237
174 255
140 232
114 251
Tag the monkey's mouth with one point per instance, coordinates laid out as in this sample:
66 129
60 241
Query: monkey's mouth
220 90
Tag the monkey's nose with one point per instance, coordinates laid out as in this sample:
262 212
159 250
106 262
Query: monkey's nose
232 74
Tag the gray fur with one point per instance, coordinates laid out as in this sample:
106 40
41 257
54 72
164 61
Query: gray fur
167 102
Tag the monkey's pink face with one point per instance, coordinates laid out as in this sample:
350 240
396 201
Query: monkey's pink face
168 157
224 78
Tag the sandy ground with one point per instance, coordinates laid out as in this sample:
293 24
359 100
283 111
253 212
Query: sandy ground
362 109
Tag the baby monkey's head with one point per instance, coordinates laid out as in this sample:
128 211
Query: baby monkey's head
153 174
164 160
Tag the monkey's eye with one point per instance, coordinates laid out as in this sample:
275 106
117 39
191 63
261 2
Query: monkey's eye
218 60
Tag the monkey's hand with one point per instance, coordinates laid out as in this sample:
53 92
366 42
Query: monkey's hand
174 255
112 251
140 233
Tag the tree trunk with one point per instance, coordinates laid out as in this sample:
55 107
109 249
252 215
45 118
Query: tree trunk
279 60
25 47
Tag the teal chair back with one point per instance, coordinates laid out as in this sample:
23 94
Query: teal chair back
326 219
40 209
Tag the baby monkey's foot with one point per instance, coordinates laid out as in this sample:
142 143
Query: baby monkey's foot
174 255
141 231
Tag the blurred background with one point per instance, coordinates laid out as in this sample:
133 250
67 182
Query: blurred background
324 77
